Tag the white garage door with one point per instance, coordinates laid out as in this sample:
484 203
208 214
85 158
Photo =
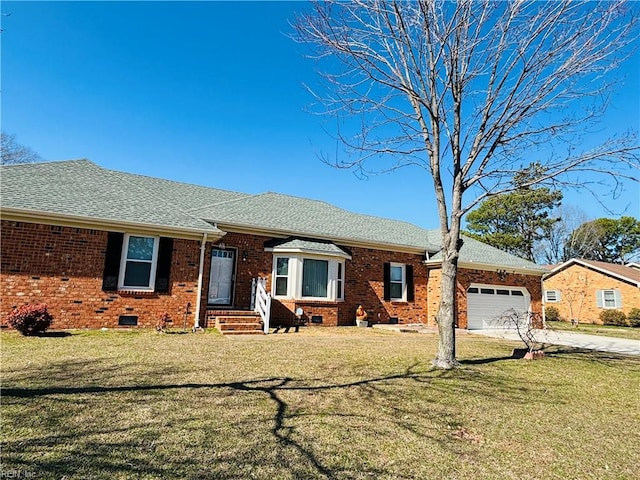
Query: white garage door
487 303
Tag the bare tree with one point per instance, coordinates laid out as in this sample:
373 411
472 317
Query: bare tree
14 153
465 90
575 294
553 248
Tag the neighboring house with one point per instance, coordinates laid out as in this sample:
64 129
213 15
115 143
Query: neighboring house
106 249
581 289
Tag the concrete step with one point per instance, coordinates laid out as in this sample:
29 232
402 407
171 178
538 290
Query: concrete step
239 326
236 322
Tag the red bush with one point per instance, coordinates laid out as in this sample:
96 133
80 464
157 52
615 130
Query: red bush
30 319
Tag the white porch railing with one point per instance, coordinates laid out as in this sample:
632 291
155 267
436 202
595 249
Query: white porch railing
261 300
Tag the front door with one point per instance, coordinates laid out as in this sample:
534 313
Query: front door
221 277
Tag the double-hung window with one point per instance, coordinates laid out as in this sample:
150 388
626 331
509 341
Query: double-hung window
609 298
137 263
139 259
281 277
398 282
552 296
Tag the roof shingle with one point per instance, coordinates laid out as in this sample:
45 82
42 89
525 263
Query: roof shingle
80 188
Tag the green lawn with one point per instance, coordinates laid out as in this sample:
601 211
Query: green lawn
328 403
604 330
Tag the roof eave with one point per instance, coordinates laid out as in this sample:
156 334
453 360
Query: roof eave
78 221
308 251
489 267
577 261
281 233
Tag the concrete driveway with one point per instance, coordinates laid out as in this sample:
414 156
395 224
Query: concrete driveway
570 339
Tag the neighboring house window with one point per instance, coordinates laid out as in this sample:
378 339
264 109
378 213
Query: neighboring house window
398 282
137 262
552 296
608 298
299 276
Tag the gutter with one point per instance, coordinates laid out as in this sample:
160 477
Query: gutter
351 242
96 223
489 267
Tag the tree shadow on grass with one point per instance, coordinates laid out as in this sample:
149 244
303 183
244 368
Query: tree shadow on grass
484 361
56 334
298 456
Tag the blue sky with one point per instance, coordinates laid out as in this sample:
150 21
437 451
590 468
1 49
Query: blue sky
209 93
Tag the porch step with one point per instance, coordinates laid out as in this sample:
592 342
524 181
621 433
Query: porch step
238 322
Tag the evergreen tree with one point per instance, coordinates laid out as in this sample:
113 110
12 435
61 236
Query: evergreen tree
515 221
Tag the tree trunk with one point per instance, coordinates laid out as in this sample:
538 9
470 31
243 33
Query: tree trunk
446 316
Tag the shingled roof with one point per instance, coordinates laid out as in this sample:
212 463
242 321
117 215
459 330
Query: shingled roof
289 215
81 189
621 272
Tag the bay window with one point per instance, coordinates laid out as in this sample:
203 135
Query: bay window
301 276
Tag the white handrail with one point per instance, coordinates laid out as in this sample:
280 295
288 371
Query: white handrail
262 301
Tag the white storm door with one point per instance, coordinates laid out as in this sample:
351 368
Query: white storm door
221 277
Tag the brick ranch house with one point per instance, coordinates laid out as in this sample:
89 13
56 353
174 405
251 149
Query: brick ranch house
106 249
581 289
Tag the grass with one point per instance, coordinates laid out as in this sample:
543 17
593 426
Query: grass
604 330
326 403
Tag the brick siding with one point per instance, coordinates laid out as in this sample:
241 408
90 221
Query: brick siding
466 277
63 267
578 285
363 285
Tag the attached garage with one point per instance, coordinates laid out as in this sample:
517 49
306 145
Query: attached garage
487 303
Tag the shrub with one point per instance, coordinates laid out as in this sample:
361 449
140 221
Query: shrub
551 314
30 319
613 317
634 317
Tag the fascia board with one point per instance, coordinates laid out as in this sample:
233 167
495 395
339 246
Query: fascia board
604 271
488 267
250 230
75 221
308 251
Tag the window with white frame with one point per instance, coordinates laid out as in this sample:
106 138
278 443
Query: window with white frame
551 296
315 278
397 281
281 276
609 298
301 276
138 263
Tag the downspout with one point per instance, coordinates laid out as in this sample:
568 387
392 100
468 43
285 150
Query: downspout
203 247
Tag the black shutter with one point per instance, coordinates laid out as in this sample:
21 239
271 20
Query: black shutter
409 274
165 250
386 276
112 261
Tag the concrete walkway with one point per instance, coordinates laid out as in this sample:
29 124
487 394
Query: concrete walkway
570 339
